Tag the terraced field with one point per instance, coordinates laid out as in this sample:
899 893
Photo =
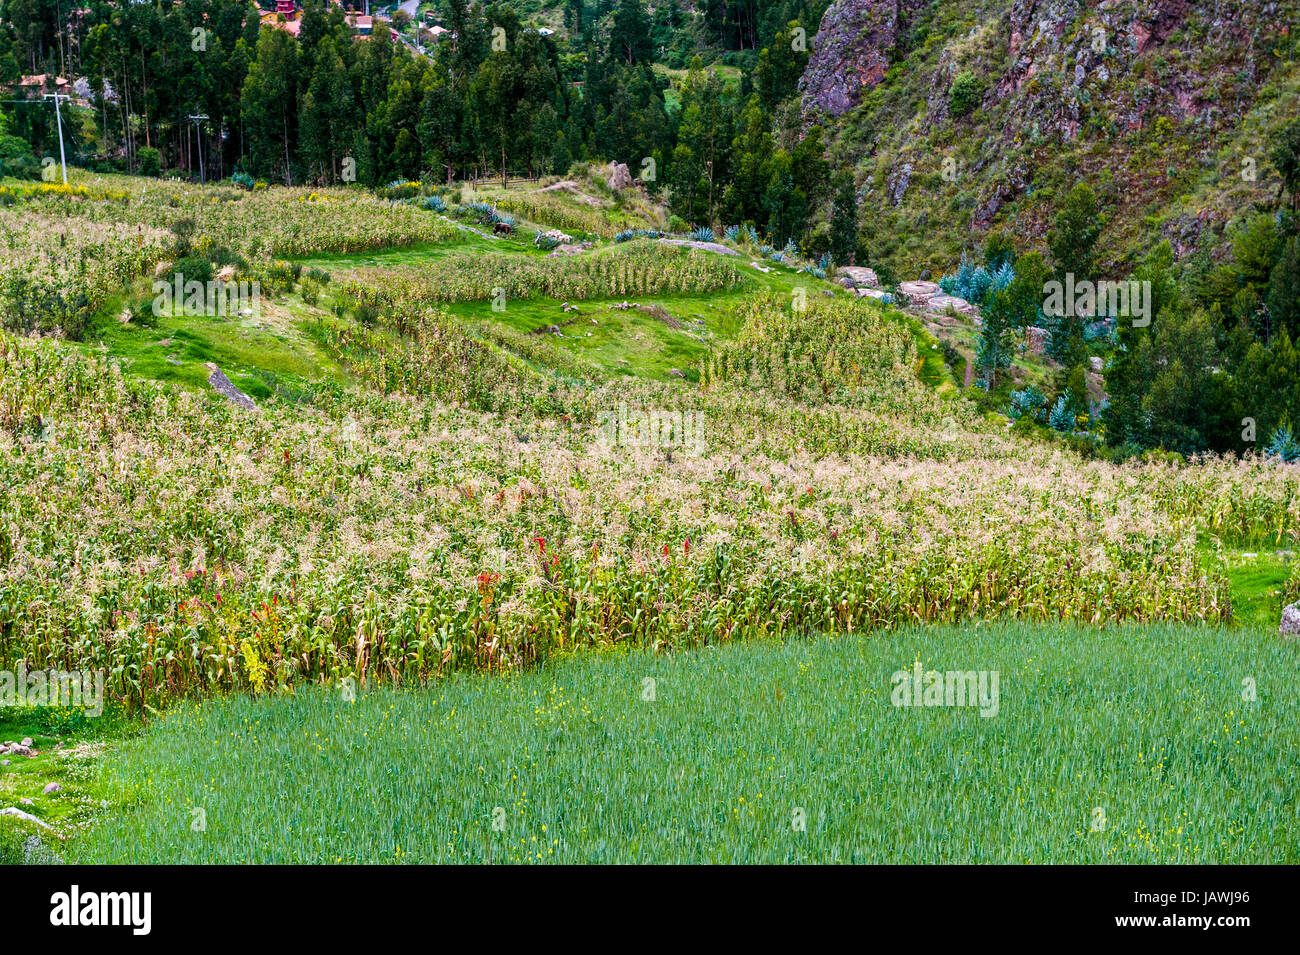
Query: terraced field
483 479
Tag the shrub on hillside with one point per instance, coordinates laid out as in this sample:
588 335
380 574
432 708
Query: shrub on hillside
967 91
150 161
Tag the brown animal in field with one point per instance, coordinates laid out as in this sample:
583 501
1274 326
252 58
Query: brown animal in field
502 228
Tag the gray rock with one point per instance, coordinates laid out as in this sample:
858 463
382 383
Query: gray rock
857 276
222 384
619 177
28 817
1290 625
27 741
941 303
53 788
705 246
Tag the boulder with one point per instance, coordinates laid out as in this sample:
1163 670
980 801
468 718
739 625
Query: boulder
857 276
25 816
941 303
717 247
919 293
619 177
226 387
1290 625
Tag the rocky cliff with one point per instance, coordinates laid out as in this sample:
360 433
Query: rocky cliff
851 52
968 115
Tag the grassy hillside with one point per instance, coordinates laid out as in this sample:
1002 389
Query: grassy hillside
718 447
989 112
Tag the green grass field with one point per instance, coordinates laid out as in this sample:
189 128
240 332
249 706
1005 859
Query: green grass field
573 763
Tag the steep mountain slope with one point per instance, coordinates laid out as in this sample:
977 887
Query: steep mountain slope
961 117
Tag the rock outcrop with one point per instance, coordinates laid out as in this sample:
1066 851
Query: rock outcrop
1290 625
857 276
1145 82
619 176
851 51
218 380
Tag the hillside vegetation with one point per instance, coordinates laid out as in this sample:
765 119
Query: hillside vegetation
438 494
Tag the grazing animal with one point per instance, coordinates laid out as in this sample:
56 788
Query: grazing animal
502 228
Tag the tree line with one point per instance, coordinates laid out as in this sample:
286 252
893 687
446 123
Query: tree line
490 96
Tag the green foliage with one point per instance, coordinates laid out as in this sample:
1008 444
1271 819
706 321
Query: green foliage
1283 445
999 250
994 349
1286 157
1061 417
966 94
149 161
24 843
1284 289
1074 233
1159 381
844 221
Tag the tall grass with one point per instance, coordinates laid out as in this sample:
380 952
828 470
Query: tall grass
634 269
171 539
585 761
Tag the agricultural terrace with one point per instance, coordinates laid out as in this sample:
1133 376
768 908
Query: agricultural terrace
429 486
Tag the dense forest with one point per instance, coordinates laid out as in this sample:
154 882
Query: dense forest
492 96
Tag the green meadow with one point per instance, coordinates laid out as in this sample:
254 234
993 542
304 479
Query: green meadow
1126 745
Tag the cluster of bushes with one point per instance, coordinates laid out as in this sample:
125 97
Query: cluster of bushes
1283 445
483 213
17 159
1028 403
974 283
46 305
627 235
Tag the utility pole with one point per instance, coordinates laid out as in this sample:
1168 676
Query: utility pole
58 121
198 123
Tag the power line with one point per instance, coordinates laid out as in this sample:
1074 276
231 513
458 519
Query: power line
58 121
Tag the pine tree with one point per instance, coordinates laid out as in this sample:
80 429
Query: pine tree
993 350
1284 289
844 220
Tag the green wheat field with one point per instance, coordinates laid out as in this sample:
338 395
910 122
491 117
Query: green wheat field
788 752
